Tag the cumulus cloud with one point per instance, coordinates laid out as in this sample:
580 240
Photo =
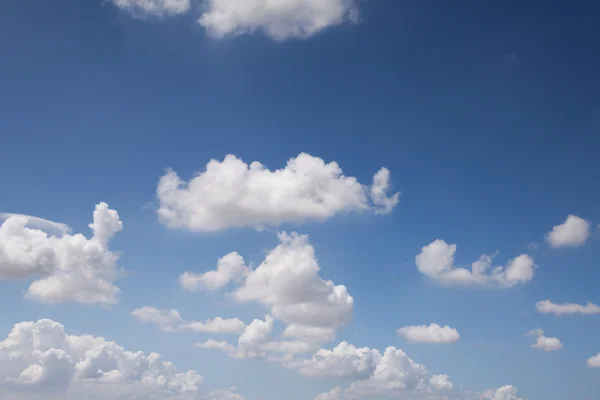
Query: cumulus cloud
436 261
231 193
441 382
333 394
343 361
256 341
395 373
548 307
171 321
66 268
544 343
40 358
432 333
507 392
278 19
573 232
154 7
287 282
594 362
230 268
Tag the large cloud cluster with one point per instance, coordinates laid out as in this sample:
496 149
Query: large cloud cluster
65 267
39 357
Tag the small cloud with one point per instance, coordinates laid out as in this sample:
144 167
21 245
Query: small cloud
533 246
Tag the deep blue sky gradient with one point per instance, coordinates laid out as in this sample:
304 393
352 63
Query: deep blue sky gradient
486 113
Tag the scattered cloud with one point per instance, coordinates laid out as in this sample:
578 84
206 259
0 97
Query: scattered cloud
157 8
66 268
507 392
230 268
571 233
40 358
278 19
334 394
436 261
343 361
231 193
594 362
548 307
287 282
441 382
544 343
171 321
432 333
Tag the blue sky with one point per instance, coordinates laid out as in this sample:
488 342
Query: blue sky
487 117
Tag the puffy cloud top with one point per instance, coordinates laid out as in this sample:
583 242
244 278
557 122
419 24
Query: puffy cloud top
231 193
278 19
436 260
67 268
41 357
573 232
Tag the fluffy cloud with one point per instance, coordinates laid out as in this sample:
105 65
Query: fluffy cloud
68 268
288 283
395 372
230 268
436 260
573 232
507 392
256 341
544 343
40 358
344 360
441 382
333 394
154 7
594 362
231 193
548 307
278 19
429 334
171 321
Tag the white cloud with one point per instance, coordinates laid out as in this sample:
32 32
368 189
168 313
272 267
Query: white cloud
395 373
40 223
231 193
544 343
573 232
333 394
278 19
594 362
288 283
441 382
344 360
548 307
171 321
67 268
436 260
433 333
217 345
507 392
40 358
226 394
154 7
230 268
